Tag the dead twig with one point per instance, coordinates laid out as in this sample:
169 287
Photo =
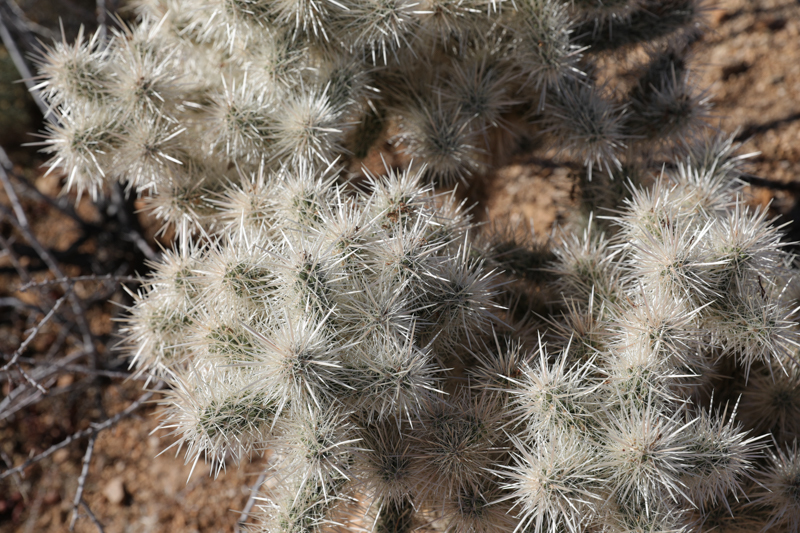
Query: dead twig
10 301
20 64
92 517
30 380
22 22
757 181
250 501
81 369
93 429
93 277
40 373
30 337
87 457
13 198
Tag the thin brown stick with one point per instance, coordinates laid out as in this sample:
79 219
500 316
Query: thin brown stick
23 22
13 198
10 301
30 380
82 369
29 338
87 458
758 181
22 66
40 373
92 517
60 281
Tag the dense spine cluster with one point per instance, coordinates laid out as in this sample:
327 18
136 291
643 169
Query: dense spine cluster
324 328
679 301
356 333
383 348
199 90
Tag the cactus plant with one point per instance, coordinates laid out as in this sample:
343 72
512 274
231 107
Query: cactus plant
358 324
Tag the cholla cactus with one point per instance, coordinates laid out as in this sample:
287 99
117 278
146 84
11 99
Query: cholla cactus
325 324
353 324
201 89
330 316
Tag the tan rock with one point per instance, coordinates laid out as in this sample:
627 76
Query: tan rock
60 456
114 490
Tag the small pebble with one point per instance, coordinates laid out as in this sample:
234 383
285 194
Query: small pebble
61 455
114 491
154 443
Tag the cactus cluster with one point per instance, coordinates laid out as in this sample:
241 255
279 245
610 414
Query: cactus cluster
357 334
360 328
199 90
